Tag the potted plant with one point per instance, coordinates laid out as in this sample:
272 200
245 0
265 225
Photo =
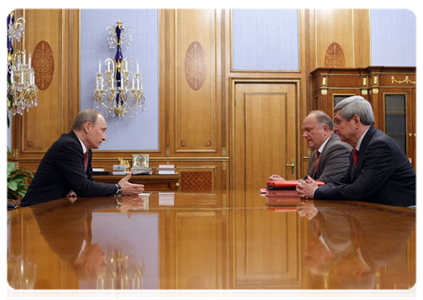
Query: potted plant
17 181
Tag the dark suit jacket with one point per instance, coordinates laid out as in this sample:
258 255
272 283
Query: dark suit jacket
383 174
334 160
62 170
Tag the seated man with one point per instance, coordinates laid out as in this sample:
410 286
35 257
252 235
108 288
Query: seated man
379 171
330 158
66 168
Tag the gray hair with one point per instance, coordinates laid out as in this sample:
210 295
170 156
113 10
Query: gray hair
322 118
356 105
87 115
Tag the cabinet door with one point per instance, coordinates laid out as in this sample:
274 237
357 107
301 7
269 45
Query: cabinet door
399 121
395 115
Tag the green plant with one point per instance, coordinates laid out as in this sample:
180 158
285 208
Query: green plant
17 181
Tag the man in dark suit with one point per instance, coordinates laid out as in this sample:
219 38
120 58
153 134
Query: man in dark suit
66 168
330 158
379 171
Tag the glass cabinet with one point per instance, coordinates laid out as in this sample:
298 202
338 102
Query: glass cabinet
390 90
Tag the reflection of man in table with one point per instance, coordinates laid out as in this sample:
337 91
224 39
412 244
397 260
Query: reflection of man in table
66 227
349 243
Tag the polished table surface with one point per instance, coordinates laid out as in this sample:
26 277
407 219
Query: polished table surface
193 241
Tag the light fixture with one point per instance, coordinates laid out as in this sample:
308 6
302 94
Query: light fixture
21 87
118 91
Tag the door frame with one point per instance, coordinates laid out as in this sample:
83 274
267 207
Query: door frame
236 80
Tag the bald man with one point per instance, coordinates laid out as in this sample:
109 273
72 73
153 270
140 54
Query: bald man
330 157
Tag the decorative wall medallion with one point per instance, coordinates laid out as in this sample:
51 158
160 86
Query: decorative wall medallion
43 64
334 56
195 65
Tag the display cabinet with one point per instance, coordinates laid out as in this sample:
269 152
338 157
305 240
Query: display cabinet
390 90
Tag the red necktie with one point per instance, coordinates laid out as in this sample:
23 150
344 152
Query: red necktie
355 155
316 161
86 160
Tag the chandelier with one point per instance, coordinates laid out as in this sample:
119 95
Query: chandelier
118 91
21 272
123 271
21 88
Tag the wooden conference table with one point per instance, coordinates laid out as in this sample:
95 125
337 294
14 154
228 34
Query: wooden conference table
190 241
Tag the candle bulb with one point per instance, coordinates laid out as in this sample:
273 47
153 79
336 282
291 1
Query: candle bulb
108 66
101 82
133 83
112 83
29 60
24 57
138 67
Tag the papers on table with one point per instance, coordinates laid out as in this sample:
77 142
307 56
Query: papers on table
167 199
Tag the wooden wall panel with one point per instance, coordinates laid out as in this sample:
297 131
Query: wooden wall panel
56 65
195 103
348 28
43 124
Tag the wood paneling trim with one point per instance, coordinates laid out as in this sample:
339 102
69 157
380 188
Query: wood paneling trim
195 109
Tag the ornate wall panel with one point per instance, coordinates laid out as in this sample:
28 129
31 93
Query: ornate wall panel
348 29
52 36
46 46
197 182
195 101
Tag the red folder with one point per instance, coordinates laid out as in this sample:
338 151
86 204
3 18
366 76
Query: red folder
285 184
283 202
282 193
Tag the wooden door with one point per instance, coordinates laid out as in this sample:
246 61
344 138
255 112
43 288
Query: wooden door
265 139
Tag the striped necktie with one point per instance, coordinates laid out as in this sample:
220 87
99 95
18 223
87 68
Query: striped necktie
316 161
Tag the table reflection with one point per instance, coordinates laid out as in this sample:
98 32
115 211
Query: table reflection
351 244
192 242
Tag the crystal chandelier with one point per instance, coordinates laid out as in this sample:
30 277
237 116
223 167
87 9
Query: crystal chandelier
21 88
118 91
123 271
